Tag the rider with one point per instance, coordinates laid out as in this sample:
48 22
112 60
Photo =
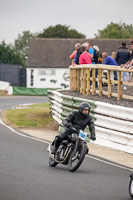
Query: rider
77 119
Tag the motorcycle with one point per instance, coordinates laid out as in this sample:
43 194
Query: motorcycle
71 152
131 186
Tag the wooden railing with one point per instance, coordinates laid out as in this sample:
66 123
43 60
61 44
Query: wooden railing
80 80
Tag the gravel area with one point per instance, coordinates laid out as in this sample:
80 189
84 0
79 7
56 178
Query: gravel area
104 98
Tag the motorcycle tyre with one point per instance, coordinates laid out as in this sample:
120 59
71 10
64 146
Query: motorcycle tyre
130 192
52 163
82 156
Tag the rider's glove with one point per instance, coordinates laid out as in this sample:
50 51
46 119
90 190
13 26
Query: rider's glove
77 127
68 125
93 137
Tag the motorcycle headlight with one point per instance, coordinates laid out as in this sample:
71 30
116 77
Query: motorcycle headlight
73 136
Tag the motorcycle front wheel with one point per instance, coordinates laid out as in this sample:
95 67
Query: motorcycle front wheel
76 159
131 188
52 162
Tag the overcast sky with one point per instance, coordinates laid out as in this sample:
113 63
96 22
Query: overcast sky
86 16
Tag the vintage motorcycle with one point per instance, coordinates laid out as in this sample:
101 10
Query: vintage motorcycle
71 152
131 186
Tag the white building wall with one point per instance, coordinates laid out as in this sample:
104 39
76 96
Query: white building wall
48 78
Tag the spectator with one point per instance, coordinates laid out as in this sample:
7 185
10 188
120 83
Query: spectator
113 73
77 55
85 57
131 55
96 58
96 54
72 56
100 59
109 61
113 55
122 56
129 64
90 50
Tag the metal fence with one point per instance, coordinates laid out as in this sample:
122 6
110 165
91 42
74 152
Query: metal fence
14 74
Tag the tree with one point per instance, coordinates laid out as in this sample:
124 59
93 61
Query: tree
116 31
60 31
22 42
9 55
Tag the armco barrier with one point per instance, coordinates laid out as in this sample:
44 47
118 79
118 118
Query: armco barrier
114 124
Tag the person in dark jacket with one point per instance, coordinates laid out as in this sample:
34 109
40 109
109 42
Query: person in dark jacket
122 56
77 119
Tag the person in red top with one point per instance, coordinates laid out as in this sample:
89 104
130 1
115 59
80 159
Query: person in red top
85 57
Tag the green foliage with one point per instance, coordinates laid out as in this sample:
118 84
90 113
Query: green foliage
60 31
9 55
116 31
21 44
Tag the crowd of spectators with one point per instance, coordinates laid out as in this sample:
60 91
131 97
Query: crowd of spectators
88 54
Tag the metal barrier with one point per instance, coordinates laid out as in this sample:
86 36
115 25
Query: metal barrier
114 124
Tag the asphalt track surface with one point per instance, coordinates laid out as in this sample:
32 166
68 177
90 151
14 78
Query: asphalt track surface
26 175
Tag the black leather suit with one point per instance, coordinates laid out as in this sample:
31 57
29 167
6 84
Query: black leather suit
78 121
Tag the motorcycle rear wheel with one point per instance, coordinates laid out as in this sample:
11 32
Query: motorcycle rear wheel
131 188
52 162
76 160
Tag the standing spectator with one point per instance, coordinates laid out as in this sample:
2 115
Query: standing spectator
113 73
96 59
113 55
90 50
109 60
131 55
96 54
72 56
129 64
77 55
122 56
85 57
100 59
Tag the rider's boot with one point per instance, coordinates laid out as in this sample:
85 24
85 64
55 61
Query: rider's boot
55 145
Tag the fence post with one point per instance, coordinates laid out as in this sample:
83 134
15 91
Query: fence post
88 81
72 79
78 79
100 81
119 86
109 84
93 82
81 81
84 81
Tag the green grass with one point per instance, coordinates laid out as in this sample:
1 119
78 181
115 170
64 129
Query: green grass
3 93
37 115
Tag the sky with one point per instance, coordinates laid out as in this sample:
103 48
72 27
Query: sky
86 16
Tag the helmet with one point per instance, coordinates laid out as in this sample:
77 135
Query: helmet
84 106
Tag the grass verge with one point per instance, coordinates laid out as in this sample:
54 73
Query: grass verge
3 93
34 116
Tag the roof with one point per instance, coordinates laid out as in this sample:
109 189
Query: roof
54 53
